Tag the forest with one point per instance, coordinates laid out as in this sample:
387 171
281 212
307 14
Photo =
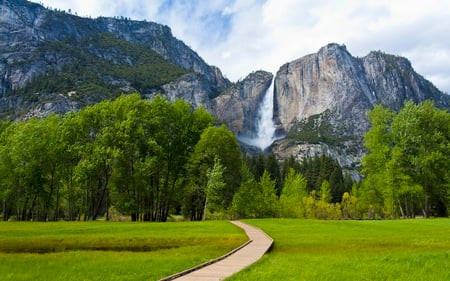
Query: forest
149 160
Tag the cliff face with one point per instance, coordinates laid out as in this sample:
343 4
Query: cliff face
238 105
321 100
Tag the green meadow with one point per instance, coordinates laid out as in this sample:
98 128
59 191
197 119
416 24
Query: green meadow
110 250
353 250
303 250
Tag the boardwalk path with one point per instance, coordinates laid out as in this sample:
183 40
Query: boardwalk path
259 244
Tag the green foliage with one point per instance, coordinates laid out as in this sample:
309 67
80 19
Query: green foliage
214 142
268 205
130 154
148 159
292 194
349 206
407 168
310 189
258 199
315 170
215 186
325 192
255 199
95 68
315 129
323 168
247 197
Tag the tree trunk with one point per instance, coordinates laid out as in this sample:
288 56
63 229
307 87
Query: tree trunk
4 209
401 209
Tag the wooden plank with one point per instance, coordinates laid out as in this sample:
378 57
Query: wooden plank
237 260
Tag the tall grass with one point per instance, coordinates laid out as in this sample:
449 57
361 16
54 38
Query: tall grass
354 250
110 251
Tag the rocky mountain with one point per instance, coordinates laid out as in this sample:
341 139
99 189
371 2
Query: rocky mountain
238 105
53 61
321 100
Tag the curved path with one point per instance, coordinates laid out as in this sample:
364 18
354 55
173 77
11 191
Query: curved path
244 256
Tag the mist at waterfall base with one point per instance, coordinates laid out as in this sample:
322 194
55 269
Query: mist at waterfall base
265 126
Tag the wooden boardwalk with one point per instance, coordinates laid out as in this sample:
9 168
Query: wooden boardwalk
258 245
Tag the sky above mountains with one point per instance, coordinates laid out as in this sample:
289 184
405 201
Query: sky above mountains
241 36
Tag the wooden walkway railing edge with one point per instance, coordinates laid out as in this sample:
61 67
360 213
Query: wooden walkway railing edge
197 267
243 226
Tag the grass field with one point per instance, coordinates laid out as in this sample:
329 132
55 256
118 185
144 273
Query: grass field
303 250
353 250
110 250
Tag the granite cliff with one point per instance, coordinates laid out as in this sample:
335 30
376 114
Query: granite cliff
321 100
239 104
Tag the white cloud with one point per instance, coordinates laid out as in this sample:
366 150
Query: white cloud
244 35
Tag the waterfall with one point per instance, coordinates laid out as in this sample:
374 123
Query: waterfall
265 124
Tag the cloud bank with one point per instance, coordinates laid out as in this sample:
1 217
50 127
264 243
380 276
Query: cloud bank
241 36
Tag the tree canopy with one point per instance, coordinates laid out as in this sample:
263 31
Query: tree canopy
148 159
127 155
407 167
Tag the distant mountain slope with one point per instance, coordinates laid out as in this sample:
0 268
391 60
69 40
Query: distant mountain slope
54 61
321 100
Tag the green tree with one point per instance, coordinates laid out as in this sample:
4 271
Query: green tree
422 134
325 192
214 142
348 204
247 197
215 187
268 206
379 141
128 154
273 167
292 194
29 165
408 150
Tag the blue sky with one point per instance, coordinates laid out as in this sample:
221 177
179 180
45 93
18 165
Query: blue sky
241 36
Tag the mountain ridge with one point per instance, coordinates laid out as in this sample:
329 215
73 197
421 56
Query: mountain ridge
39 40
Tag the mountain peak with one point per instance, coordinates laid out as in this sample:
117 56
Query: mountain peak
333 47
322 99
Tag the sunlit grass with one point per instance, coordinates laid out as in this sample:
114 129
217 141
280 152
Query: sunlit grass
354 250
110 251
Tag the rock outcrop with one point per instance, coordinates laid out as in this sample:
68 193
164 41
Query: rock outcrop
238 105
193 88
321 100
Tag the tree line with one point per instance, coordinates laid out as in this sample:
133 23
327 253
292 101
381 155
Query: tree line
406 173
129 155
407 169
148 160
